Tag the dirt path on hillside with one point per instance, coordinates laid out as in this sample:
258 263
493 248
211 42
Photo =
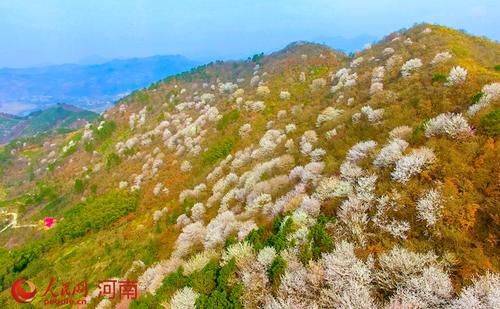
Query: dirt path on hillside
13 222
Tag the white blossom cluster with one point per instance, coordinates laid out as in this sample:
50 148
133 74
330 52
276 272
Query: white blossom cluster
254 82
249 185
393 61
284 95
245 130
349 171
490 93
453 125
88 133
302 77
328 114
400 132
184 299
388 51
307 141
396 228
390 153
198 261
194 193
228 87
242 158
68 147
188 133
431 289
356 62
410 67
218 171
372 115
281 114
344 79
263 91
158 214
219 229
331 133
399 265
441 57
360 150
317 84
457 76
152 165
289 128
160 188
221 186
122 109
353 212
255 106
429 206
138 120
377 78
268 143
332 187
483 293
412 164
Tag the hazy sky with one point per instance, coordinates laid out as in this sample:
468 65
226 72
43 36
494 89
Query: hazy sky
35 32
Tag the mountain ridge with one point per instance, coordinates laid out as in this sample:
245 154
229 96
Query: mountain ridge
54 117
302 178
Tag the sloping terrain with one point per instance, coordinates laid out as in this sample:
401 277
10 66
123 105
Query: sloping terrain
301 179
55 117
93 87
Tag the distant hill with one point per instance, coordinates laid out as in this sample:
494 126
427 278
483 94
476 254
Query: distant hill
54 117
92 87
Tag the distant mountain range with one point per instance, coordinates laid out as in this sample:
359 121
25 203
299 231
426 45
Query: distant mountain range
92 87
51 118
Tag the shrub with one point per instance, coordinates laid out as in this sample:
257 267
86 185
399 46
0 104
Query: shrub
172 282
79 186
410 66
220 299
228 118
429 206
279 239
320 240
224 295
438 77
454 125
255 238
95 214
204 281
112 160
412 164
184 298
490 123
476 97
104 130
257 57
457 76
217 151
276 269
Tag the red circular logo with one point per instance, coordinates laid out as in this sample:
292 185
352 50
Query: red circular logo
20 294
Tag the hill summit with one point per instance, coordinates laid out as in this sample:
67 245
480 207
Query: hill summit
302 179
